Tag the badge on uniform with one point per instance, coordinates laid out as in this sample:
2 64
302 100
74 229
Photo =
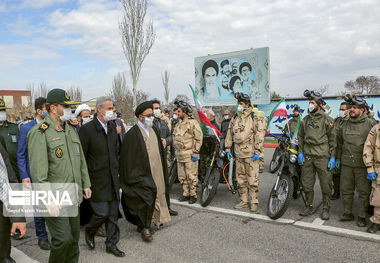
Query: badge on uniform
59 152
14 138
44 126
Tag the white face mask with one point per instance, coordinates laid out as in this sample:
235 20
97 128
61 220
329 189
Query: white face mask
3 115
240 108
148 122
226 117
311 107
157 113
175 116
108 116
86 120
342 113
67 115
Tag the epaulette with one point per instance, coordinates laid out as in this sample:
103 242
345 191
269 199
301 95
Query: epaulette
43 127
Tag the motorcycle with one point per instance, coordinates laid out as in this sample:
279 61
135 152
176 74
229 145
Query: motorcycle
288 182
275 162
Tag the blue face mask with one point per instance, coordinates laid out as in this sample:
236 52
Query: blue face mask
44 114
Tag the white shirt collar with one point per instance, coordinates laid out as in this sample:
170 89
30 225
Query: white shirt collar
142 125
103 125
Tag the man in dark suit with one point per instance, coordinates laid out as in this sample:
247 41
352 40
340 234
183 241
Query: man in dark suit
99 142
23 166
7 225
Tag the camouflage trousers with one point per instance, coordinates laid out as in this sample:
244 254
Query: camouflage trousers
352 178
375 201
247 175
261 163
316 165
188 177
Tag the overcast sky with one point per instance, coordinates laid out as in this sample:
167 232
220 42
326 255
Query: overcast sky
77 43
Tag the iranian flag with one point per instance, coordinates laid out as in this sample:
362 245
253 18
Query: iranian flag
278 111
205 122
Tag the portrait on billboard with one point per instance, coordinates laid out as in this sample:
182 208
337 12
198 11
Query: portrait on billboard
219 77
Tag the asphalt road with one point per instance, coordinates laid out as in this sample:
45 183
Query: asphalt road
221 234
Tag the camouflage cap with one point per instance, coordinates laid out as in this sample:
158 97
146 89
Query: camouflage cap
2 105
59 96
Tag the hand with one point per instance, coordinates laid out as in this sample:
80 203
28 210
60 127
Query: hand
371 176
288 134
194 158
256 157
87 193
118 129
229 156
301 159
27 183
337 164
20 226
331 164
75 122
175 156
163 142
53 209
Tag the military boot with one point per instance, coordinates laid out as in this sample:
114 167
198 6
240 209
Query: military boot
184 198
361 222
347 217
325 215
241 205
373 228
254 207
307 211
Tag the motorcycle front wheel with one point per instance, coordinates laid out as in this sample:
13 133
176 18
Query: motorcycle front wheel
275 162
279 200
209 187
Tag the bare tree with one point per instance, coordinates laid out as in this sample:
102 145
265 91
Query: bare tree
75 93
363 85
136 41
41 91
165 82
323 89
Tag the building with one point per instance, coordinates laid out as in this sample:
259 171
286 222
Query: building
18 103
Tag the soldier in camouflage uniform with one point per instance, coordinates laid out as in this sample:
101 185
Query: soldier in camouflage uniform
260 118
246 133
338 122
350 142
317 143
371 158
187 143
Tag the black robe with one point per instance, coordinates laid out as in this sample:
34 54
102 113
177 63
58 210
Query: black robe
136 181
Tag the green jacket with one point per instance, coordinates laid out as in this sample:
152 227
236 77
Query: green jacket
10 133
316 135
350 140
56 155
292 125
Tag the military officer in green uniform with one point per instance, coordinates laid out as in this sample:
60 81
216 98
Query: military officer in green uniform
317 143
10 133
56 156
293 122
350 143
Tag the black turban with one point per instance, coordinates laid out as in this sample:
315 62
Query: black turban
142 107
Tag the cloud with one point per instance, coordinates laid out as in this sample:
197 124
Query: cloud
42 3
311 43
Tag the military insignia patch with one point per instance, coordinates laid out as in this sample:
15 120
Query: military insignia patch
59 152
44 126
372 133
331 124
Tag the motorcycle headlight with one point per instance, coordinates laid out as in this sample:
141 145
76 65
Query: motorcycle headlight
222 154
293 158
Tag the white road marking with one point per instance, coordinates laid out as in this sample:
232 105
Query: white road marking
317 224
20 256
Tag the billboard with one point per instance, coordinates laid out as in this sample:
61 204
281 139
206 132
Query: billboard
219 77
332 109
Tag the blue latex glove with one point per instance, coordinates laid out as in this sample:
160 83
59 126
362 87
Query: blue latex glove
301 159
337 164
175 156
371 176
256 157
229 156
331 164
194 158
288 134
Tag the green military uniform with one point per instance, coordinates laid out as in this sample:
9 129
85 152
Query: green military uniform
10 133
338 122
350 142
317 141
56 156
293 122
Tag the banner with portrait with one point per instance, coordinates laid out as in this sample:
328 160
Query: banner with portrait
219 77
